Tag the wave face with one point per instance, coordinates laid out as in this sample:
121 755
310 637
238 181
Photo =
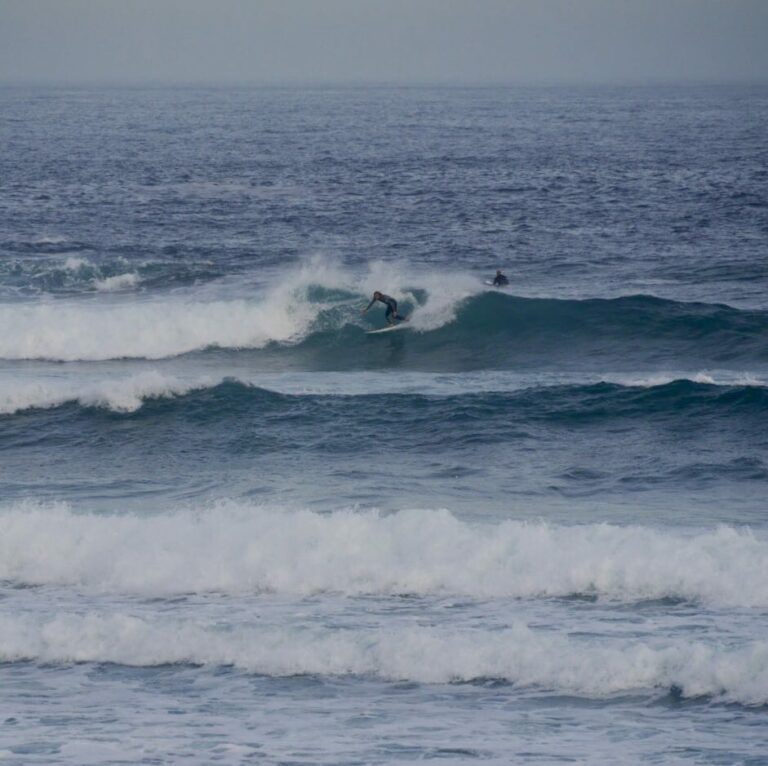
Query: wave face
236 548
151 396
497 331
320 328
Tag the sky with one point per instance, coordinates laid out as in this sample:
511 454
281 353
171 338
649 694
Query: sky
383 41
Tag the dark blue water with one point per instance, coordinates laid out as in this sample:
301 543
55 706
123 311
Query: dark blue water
530 526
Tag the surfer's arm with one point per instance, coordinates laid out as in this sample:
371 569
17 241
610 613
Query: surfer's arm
368 306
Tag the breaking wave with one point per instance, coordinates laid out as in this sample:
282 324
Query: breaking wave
237 548
518 655
124 394
319 327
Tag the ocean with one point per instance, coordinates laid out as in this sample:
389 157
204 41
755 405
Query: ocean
530 528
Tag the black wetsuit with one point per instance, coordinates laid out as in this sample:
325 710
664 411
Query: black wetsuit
500 280
390 303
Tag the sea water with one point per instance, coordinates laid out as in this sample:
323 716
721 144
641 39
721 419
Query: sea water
530 528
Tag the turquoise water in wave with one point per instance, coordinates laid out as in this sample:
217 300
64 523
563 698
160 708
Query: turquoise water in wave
530 528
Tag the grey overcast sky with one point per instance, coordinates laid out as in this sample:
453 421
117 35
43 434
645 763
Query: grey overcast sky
437 41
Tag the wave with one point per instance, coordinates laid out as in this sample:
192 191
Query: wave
240 548
129 392
529 659
422 417
317 299
124 394
312 326
153 329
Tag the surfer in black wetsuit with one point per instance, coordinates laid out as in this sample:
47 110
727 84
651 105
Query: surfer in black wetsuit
500 280
391 314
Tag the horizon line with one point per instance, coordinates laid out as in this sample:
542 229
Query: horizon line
299 83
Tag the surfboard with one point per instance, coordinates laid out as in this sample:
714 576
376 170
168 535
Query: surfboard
490 284
399 326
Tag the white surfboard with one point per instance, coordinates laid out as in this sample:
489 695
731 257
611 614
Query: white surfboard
399 326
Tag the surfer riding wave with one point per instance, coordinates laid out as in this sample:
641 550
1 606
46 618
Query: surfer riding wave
391 314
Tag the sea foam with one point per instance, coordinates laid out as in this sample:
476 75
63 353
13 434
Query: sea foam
117 282
71 331
236 547
120 394
527 658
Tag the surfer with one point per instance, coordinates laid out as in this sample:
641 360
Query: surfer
500 280
391 313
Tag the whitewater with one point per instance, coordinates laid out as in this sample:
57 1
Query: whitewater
529 528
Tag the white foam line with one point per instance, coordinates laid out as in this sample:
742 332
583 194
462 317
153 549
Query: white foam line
125 394
239 547
426 655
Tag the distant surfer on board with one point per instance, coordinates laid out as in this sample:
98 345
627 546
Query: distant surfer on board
391 314
500 280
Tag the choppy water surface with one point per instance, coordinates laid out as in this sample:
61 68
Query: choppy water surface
530 528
